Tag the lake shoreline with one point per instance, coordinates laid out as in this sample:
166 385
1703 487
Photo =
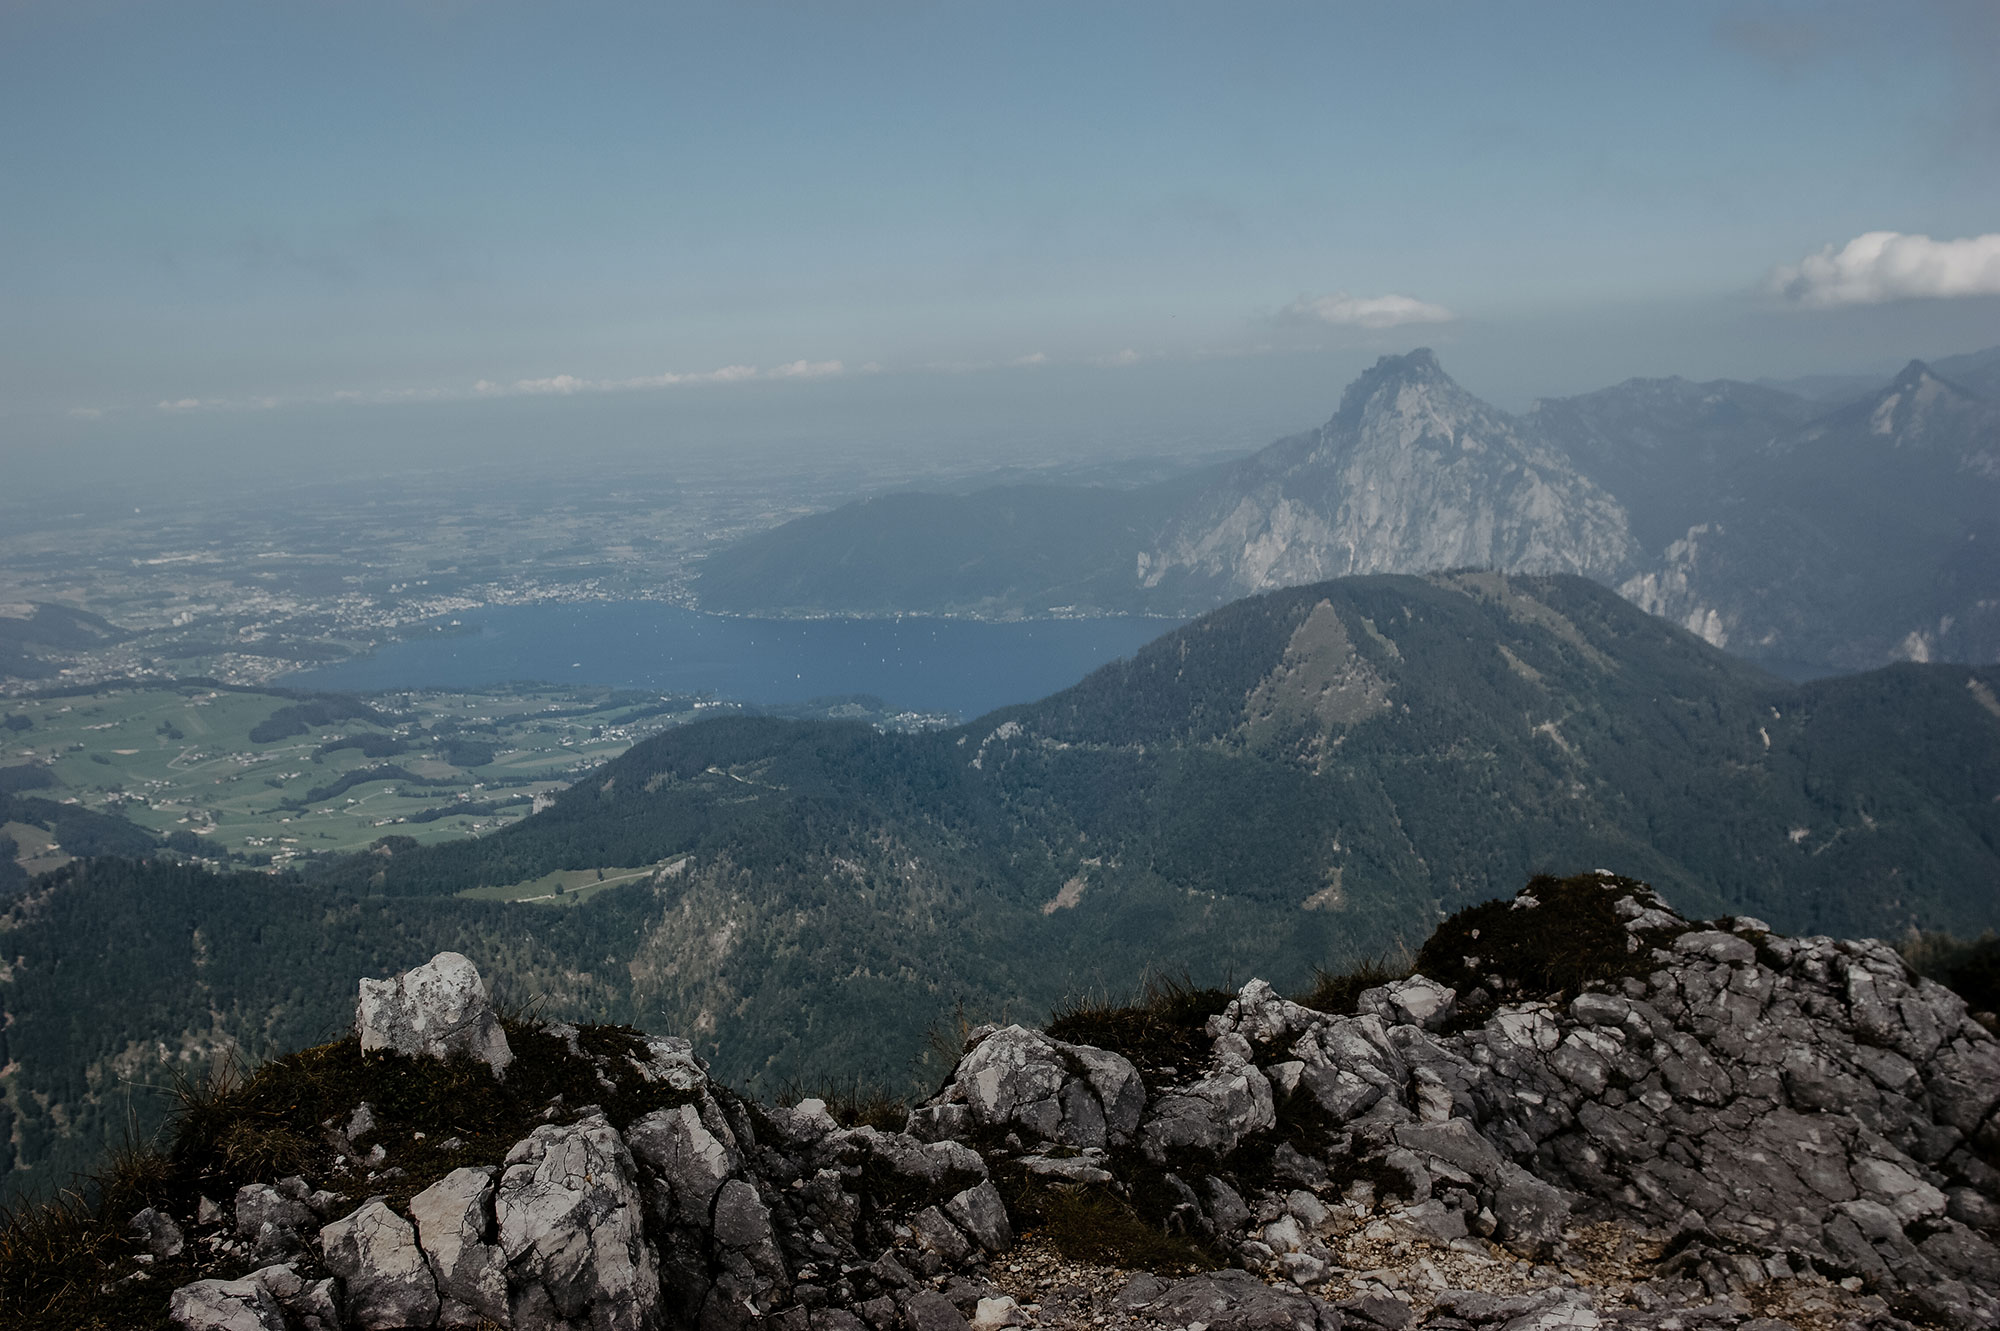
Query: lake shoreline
928 663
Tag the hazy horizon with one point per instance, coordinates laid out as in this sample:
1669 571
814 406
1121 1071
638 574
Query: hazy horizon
255 241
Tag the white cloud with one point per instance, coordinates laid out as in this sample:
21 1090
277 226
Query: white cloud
182 404
728 374
1125 357
86 413
1888 265
566 384
1391 311
560 383
808 369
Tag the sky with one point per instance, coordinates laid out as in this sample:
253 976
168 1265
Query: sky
311 224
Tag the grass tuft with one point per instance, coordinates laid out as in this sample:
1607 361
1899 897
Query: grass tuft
1572 937
1969 969
1164 1027
1339 994
855 1104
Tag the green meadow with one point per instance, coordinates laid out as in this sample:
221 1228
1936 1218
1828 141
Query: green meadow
203 762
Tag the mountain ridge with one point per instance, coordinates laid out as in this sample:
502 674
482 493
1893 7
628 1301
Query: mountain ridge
1760 519
1411 473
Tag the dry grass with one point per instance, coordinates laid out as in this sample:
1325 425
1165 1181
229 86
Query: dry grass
1338 994
857 1103
1164 1027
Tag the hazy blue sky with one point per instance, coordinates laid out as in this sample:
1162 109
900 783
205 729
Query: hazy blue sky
210 210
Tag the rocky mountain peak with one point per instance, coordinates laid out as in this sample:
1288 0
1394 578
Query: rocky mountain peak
1918 408
1387 383
1412 474
1913 376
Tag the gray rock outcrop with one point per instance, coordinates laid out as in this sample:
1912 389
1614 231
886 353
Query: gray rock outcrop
1022 1086
1743 1116
388 1283
571 1228
226 1305
435 1010
454 1220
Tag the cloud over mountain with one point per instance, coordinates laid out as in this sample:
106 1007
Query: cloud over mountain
1888 265
1343 310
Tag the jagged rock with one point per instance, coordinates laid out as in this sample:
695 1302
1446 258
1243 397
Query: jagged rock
1211 1116
1532 1214
226 1305
270 1219
1238 1301
741 1218
362 1121
571 1225
671 1061
686 1159
932 1171
928 1310
387 1282
436 1010
1050 1091
157 1232
1807 1098
313 1305
1376 1310
939 1235
1768 1107
983 1216
1413 1002
454 1219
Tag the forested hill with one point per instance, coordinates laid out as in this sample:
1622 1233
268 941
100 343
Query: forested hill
1300 779
1364 753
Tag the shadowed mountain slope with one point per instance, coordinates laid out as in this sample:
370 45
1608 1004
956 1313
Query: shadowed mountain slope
1666 447
1870 534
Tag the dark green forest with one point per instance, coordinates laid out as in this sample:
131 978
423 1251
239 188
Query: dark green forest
1303 779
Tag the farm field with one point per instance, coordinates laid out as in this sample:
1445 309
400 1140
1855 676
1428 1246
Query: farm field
264 778
572 887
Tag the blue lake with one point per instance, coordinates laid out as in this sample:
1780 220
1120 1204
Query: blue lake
933 665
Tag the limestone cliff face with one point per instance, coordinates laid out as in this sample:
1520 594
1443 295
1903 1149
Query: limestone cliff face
1412 474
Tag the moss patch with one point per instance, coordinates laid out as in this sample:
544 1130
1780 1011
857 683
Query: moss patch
1569 938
